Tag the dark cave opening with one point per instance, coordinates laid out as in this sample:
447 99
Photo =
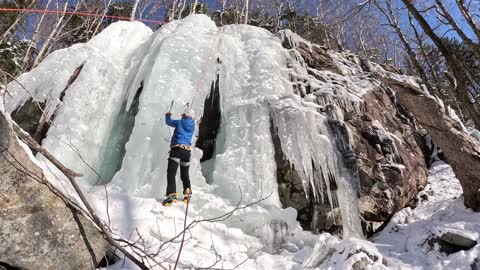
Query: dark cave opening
120 134
210 122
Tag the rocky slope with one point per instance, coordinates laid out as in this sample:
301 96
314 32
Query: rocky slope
38 230
319 130
377 137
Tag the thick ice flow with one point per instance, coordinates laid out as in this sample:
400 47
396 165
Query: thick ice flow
110 126
248 75
173 63
84 126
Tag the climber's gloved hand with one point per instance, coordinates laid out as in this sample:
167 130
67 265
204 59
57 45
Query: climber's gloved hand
168 114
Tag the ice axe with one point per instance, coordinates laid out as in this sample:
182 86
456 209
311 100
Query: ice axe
171 106
170 111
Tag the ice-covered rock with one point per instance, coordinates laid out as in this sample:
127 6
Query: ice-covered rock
300 128
330 253
374 135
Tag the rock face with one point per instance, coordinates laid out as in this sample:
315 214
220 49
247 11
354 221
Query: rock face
377 138
38 230
391 167
461 150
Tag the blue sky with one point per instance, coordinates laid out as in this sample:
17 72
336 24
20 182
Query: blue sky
433 21
431 17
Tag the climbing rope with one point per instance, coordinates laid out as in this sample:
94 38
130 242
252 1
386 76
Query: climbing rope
79 13
183 236
189 105
205 67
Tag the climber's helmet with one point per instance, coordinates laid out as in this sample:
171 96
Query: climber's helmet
188 113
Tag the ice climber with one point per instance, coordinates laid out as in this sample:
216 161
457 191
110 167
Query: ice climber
180 151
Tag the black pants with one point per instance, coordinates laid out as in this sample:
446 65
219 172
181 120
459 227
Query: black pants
178 156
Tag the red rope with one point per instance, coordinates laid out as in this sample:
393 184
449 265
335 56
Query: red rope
76 13
197 88
183 237
205 67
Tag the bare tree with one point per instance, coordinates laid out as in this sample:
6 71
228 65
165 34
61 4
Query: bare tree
35 38
460 74
419 40
194 8
392 21
49 39
172 14
182 9
445 14
466 14
224 3
16 23
246 12
134 10
102 17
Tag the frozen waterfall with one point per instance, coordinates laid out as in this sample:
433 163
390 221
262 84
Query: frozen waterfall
113 116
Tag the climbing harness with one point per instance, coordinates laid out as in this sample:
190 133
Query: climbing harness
174 196
182 146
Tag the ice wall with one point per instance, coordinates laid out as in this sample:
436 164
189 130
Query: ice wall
174 60
254 72
83 126
249 76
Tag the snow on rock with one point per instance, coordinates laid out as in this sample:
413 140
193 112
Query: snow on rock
330 253
373 135
110 127
128 96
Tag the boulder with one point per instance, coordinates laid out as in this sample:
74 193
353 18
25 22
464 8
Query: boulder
452 242
38 230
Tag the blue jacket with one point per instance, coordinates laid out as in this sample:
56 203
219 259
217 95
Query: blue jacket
184 129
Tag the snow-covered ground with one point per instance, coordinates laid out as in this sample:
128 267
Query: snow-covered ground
407 239
403 244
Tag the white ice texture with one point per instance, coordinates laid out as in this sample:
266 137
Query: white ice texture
98 115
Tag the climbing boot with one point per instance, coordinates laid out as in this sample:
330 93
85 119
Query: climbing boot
187 194
171 198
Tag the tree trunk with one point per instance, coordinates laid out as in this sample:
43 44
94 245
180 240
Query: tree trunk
15 23
49 39
455 26
457 69
101 18
224 3
181 10
246 12
172 15
134 10
393 21
423 51
34 40
194 9
468 17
